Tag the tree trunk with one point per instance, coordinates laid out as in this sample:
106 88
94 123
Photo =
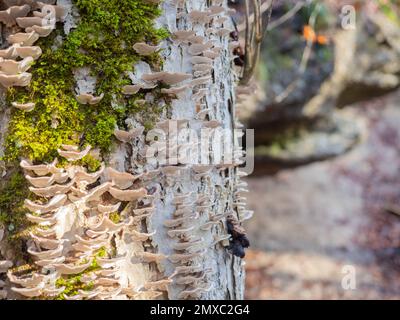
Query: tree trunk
139 226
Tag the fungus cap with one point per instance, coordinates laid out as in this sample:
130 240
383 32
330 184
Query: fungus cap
12 67
42 31
24 39
128 136
128 195
18 80
73 155
144 49
169 78
87 98
55 203
27 107
8 17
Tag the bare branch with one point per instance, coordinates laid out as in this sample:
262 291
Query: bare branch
304 61
254 37
287 16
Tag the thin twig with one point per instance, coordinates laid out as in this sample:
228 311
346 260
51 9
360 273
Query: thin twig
264 7
269 16
304 61
268 5
253 41
287 16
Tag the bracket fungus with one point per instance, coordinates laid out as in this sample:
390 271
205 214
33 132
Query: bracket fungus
198 48
55 203
127 195
198 16
87 98
132 89
200 81
23 39
201 60
72 154
202 67
172 124
128 136
169 78
194 293
175 90
41 31
108 208
138 236
192 280
9 16
16 51
122 180
69 269
60 11
183 35
187 245
15 80
149 257
179 221
41 182
211 54
179 270
145 49
211 124
161 284
26 22
27 107
180 232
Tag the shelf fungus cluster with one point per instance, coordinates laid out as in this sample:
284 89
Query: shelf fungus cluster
79 217
190 245
27 21
199 207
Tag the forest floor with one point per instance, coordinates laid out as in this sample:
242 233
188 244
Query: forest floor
314 220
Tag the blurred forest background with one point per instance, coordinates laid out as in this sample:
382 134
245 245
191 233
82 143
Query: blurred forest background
326 187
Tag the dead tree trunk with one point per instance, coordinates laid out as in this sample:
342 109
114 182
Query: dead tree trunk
124 215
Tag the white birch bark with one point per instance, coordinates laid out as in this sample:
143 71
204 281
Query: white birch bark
224 273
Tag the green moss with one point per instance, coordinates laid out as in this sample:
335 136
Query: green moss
91 163
73 283
103 42
13 192
101 253
101 133
115 217
12 196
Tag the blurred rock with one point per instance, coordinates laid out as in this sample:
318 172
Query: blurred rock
322 139
358 65
312 221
